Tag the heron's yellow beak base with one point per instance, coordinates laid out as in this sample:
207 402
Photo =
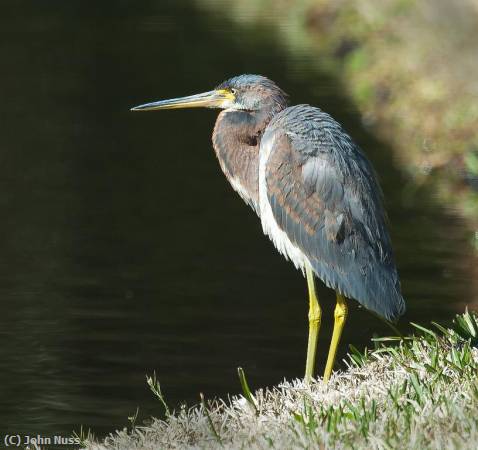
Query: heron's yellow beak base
220 98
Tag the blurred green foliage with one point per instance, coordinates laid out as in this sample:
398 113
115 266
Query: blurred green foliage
410 66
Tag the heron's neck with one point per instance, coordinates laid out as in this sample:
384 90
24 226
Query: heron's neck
236 140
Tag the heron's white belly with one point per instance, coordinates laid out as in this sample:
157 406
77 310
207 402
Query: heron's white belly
269 224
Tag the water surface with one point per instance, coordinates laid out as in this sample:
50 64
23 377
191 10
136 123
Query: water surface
125 251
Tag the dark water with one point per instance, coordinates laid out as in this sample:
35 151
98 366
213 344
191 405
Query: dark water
124 251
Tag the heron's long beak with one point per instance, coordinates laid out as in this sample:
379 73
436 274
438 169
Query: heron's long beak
220 98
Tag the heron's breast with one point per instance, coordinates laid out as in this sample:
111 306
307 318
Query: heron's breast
238 159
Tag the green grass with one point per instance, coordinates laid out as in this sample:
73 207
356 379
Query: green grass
416 392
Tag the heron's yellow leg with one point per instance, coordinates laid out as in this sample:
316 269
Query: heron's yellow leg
315 315
340 314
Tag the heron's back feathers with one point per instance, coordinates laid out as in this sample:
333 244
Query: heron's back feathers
324 196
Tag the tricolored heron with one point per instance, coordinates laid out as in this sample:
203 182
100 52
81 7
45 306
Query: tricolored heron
314 191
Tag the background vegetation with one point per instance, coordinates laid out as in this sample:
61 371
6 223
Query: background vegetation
410 66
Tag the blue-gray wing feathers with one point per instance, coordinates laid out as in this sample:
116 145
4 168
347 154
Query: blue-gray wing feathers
324 195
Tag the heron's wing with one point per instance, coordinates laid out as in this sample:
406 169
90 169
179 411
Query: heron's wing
324 195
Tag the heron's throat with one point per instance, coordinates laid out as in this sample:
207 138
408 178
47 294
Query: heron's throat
236 140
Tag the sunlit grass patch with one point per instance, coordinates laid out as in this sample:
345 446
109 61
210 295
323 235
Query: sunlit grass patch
416 392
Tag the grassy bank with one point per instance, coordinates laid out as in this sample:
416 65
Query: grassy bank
410 66
419 392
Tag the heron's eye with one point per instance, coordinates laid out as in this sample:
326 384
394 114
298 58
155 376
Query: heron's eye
233 91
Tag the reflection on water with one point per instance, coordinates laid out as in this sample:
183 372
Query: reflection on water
124 249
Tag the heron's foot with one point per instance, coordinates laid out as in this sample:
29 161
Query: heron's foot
340 315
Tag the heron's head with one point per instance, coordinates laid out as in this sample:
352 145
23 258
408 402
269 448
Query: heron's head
244 92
